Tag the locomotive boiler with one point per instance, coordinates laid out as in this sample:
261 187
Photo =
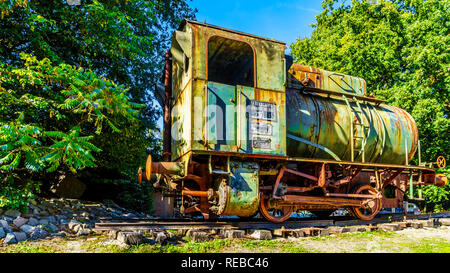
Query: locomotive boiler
246 130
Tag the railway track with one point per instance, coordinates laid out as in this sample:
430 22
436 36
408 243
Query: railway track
164 224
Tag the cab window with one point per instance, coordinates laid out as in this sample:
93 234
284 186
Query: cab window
230 62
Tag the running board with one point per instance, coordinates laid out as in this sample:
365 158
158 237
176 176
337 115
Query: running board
317 200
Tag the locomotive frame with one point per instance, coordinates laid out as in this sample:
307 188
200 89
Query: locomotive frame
227 144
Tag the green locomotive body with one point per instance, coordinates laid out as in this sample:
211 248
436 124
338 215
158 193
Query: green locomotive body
247 130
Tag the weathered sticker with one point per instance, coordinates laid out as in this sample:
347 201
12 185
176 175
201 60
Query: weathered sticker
263 110
260 128
261 142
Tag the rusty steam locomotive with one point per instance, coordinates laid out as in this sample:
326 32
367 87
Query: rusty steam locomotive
246 130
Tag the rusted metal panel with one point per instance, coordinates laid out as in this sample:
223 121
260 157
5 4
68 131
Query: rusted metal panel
315 200
221 122
314 77
181 51
271 112
327 121
163 206
181 93
245 94
270 65
181 117
269 54
240 194
166 106
242 119
199 115
196 96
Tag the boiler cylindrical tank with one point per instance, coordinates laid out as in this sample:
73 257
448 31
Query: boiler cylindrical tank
320 126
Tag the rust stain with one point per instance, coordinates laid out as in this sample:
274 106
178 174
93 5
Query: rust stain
322 79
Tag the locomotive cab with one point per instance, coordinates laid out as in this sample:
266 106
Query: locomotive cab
227 92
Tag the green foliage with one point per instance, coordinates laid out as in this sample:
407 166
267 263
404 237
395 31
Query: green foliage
17 196
437 198
43 122
121 40
77 81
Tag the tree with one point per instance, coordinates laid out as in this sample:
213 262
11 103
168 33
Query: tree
77 82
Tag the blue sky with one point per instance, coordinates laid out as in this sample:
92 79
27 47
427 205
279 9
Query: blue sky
280 20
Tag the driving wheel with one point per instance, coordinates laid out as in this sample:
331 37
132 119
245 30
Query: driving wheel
273 212
370 207
441 162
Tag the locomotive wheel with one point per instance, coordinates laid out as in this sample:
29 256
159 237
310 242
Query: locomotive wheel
271 212
440 161
371 208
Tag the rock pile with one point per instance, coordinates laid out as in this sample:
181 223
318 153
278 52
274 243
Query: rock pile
57 217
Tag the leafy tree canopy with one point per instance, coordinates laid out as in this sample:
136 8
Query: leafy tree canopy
77 82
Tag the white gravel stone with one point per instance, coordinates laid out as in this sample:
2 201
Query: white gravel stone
130 238
261 234
10 239
12 213
84 231
33 221
43 222
27 228
4 224
19 221
20 236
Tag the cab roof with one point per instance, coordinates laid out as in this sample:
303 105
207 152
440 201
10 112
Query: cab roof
185 21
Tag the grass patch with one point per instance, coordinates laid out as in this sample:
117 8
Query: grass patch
221 245
96 244
368 234
428 246
215 246
26 247
260 244
274 246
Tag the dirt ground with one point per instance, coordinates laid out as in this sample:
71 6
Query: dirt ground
409 240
